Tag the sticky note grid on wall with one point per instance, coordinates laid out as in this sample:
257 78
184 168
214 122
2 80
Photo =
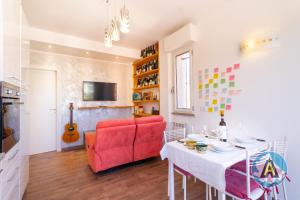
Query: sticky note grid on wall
217 86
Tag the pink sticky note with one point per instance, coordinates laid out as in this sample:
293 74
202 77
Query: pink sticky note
228 107
231 77
237 66
216 70
229 69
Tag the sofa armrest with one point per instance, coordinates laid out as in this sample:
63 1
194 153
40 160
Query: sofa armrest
90 140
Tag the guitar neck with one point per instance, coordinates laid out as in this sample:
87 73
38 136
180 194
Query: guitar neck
71 118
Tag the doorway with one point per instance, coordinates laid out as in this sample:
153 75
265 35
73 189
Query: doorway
42 110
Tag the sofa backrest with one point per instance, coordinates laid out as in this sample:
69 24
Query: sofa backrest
149 136
115 122
114 133
147 120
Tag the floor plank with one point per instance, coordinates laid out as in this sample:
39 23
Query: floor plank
66 176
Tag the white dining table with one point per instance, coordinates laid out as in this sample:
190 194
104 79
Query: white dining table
208 167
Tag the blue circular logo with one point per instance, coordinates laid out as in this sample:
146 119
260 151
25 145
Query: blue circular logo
269 169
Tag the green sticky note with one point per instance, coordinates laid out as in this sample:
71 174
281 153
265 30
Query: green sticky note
207 86
222 105
223 80
215 85
231 84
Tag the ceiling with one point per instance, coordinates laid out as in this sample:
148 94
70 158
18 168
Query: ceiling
58 49
150 20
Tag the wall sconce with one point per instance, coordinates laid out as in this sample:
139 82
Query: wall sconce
252 45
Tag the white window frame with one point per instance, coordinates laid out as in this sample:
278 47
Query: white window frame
176 110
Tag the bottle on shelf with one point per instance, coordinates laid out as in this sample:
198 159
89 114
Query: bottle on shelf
223 128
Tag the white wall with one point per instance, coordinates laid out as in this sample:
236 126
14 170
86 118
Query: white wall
269 103
71 72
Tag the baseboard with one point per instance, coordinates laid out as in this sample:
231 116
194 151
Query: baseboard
73 148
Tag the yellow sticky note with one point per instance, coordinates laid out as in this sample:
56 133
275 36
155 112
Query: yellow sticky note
215 102
216 76
210 109
200 86
211 81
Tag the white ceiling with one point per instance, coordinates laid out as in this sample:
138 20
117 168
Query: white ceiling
150 20
58 49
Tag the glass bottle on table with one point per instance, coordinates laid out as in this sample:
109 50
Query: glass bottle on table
223 128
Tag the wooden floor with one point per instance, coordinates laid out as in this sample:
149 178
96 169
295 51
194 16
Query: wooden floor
66 176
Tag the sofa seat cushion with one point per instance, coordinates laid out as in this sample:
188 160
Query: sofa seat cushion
114 123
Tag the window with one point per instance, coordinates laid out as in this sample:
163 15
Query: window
183 83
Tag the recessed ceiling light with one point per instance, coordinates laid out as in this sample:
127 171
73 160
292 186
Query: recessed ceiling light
116 57
49 46
87 53
26 42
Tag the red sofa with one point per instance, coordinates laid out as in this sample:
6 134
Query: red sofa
118 142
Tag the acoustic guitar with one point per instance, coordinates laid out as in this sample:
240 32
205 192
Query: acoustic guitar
71 133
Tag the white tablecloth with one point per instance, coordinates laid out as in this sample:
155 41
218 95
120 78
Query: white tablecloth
209 167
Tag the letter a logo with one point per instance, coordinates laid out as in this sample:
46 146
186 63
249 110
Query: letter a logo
269 170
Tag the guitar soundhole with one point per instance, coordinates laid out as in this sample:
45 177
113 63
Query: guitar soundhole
71 129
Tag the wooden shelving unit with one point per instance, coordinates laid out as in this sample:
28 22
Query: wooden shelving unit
145 101
147 87
146 60
146 73
155 89
143 115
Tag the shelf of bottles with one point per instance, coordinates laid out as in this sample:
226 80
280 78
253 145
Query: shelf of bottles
146 82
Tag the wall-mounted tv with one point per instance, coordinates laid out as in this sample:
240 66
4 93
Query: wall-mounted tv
99 91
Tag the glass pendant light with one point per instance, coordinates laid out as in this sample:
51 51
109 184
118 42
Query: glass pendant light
124 21
107 30
107 37
115 33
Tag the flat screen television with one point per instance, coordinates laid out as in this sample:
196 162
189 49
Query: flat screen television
99 91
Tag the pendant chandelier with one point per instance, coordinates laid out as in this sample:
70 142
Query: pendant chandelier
115 25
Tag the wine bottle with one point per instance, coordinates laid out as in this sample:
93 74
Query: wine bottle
151 66
223 129
155 64
152 80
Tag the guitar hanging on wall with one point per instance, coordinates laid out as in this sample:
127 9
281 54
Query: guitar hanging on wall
71 133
